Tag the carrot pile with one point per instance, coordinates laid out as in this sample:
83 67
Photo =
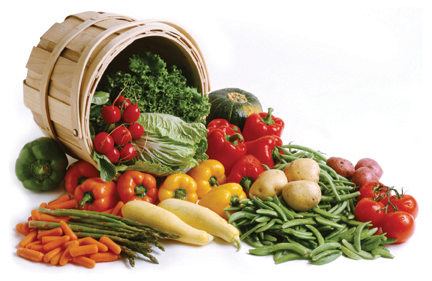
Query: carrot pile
59 234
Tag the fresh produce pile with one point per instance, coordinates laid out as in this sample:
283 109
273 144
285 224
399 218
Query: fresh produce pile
163 171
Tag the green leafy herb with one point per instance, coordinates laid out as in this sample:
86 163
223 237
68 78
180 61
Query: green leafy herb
157 88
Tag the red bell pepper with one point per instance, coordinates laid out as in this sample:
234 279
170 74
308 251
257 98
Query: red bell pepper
94 194
226 146
245 171
262 124
135 185
263 147
221 123
77 173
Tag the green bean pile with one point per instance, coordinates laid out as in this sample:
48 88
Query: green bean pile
320 235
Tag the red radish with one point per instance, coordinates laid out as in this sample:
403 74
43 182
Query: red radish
136 130
131 114
103 142
111 114
121 135
122 102
128 151
113 155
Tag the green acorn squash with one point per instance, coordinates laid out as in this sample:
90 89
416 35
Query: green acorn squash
233 105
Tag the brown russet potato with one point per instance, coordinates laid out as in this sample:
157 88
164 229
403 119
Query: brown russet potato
341 166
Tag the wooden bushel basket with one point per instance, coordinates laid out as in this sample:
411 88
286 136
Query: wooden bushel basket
65 67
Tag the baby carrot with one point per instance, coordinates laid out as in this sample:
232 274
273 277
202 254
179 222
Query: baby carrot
83 250
56 258
43 205
58 231
20 228
117 209
56 243
67 230
84 261
25 228
104 257
30 254
35 215
29 245
108 211
65 257
89 241
113 246
31 237
37 247
64 205
48 238
61 199
51 254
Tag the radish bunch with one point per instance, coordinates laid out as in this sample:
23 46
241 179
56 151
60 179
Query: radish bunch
117 145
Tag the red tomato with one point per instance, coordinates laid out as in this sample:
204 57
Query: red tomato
398 225
405 203
367 210
373 189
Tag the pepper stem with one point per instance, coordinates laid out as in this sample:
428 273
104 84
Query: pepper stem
87 198
234 201
234 139
268 119
180 193
246 183
140 190
213 181
41 169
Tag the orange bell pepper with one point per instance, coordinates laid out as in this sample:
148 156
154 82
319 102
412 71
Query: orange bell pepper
94 194
207 174
77 173
222 197
180 186
135 185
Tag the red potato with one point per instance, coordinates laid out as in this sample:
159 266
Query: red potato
341 166
363 175
372 164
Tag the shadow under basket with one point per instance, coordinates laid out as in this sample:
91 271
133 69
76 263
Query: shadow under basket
66 66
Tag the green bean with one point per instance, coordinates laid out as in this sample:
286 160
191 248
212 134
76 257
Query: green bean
290 247
261 251
324 221
262 219
327 259
250 209
299 234
304 148
351 222
277 255
269 237
259 203
296 222
350 254
357 236
368 232
266 226
278 210
329 171
247 233
339 232
241 214
383 252
388 241
267 212
340 208
361 253
371 243
246 202
324 254
325 247
290 256
327 177
325 198
325 213
251 241
316 232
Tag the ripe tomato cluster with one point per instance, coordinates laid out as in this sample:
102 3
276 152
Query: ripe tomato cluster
392 212
116 145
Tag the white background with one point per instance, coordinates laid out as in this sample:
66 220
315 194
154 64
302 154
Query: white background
350 80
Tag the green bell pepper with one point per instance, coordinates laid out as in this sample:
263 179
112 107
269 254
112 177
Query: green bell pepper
41 164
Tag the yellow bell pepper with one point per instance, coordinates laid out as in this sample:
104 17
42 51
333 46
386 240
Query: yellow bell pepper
180 186
223 196
207 174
